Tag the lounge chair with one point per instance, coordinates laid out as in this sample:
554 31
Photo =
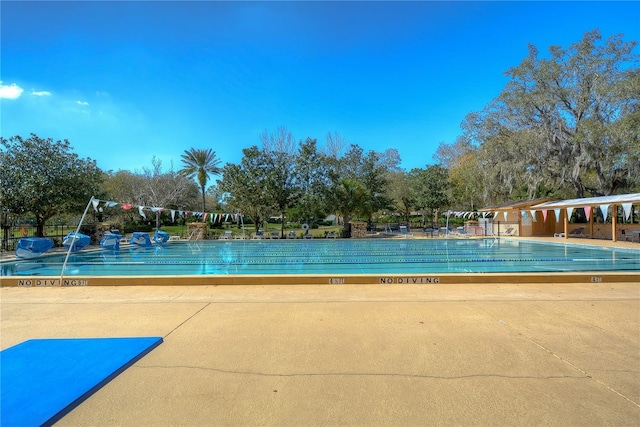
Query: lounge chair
331 235
509 231
627 235
259 235
404 231
291 235
226 236
432 231
275 234
578 232
460 231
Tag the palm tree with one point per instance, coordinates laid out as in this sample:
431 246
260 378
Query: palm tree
199 164
349 197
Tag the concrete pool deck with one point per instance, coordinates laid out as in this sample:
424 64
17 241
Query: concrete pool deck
550 353
490 354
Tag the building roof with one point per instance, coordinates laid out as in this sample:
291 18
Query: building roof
618 199
514 206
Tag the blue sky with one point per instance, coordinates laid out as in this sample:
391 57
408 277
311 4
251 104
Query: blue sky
126 81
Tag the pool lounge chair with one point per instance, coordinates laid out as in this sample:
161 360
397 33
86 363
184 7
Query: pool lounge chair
460 231
291 235
627 235
576 232
275 234
331 235
404 231
226 236
259 235
509 231
432 231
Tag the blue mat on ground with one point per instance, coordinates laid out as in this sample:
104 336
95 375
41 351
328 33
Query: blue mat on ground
44 379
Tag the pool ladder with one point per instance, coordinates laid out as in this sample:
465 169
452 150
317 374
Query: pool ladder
194 236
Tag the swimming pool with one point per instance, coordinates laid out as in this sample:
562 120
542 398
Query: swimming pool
375 257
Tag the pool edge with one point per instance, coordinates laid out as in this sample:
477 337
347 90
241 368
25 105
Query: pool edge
322 279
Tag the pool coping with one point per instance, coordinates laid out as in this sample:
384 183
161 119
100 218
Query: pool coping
322 279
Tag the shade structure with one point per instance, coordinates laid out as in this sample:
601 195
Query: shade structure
618 199
588 203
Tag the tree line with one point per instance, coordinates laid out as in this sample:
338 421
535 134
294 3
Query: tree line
567 124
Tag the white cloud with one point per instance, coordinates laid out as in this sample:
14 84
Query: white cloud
82 103
12 91
40 93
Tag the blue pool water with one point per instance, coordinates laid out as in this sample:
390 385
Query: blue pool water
320 256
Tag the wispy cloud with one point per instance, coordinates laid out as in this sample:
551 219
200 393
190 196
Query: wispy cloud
82 103
12 91
40 93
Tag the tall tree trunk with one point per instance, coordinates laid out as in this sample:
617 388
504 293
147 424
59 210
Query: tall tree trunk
202 200
39 227
579 187
346 224
282 225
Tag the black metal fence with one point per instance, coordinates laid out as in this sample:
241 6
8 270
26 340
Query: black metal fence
11 234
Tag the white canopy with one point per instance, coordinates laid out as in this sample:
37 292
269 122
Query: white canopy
617 199
588 203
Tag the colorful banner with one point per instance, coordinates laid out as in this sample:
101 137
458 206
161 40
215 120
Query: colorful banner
214 217
605 211
627 210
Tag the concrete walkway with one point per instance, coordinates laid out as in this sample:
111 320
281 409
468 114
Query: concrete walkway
482 355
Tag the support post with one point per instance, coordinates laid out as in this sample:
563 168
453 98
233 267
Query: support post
614 222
